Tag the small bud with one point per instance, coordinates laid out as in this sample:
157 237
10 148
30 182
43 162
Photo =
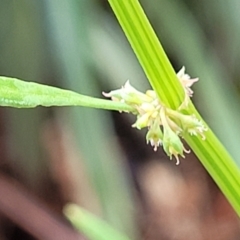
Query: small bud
128 95
142 121
115 95
186 82
155 135
172 144
188 123
174 126
146 107
151 94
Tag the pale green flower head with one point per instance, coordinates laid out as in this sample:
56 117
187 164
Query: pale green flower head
165 125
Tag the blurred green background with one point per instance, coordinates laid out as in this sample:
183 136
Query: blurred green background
93 157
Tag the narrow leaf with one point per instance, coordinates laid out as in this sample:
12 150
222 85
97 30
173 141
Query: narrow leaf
21 94
93 227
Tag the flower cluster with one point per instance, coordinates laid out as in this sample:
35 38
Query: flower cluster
165 126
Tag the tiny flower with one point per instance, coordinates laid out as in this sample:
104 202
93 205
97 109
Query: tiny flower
188 123
128 94
174 126
186 82
172 144
155 135
200 129
142 121
151 94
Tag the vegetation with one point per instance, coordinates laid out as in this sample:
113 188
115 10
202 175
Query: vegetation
88 53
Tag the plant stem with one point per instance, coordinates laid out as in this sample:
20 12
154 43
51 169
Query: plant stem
162 77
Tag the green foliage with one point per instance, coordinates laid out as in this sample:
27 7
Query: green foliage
92 227
189 35
161 75
71 27
21 94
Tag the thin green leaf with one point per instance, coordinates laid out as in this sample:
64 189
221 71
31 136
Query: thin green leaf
91 226
21 94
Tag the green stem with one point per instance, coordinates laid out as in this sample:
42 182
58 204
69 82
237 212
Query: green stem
149 51
91 226
162 77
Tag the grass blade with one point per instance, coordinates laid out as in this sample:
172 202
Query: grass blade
163 79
